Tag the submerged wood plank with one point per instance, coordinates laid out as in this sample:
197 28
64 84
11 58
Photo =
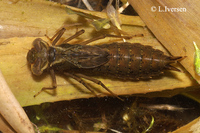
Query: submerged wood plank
24 85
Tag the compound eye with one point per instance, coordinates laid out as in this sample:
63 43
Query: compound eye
38 56
31 58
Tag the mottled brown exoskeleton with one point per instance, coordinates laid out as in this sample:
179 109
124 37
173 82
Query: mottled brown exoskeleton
122 60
